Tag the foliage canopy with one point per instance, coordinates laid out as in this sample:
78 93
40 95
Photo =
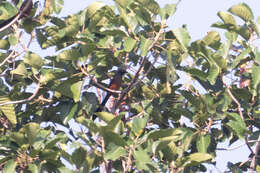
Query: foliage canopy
47 102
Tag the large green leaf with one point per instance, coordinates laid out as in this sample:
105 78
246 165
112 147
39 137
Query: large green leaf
243 11
57 5
212 39
139 125
4 44
227 19
142 159
76 90
167 11
255 79
112 137
33 60
31 131
20 70
144 46
203 143
237 124
129 44
9 166
183 37
199 157
34 168
71 54
115 153
8 110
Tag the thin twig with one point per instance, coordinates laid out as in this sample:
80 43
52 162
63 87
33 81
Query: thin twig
135 80
17 16
233 98
256 154
24 100
94 82
8 57
239 146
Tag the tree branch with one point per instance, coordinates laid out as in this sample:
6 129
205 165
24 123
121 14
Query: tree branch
20 13
24 100
94 82
256 154
233 98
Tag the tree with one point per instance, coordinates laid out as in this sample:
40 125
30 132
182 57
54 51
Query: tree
141 129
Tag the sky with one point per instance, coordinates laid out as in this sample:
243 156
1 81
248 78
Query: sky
198 15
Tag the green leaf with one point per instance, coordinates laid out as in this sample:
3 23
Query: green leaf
57 5
66 89
67 55
240 57
199 157
88 123
33 60
144 46
79 156
139 125
8 110
243 11
65 170
20 70
129 44
142 159
12 39
31 131
115 138
183 37
105 116
255 79
237 124
167 11
76 90
7 10
9 166
227 19
123 3
213 73
94 7
4 44
19 138
34 168
116 153
71 114
203 143
212 39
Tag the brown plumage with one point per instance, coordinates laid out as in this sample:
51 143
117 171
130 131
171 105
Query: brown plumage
114 84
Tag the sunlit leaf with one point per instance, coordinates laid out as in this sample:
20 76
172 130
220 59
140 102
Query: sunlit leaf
227 18
33 60
237 124
116 153
8 110
145 45
203 143
9 166
142 159
4 44
167 11
199 157
243 11
76 90
57 5
139 125
31 130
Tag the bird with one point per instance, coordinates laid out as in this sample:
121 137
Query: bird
24 11
114 84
